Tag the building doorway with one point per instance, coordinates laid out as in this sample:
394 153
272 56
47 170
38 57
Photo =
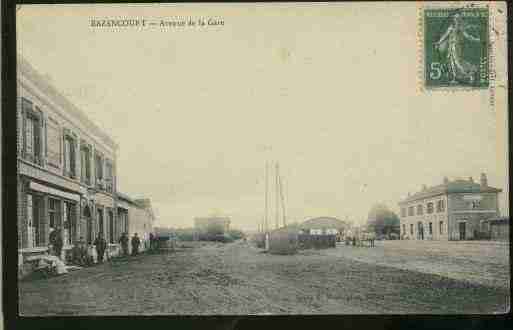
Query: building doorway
111 228
463 230
420 231
89 225
101 227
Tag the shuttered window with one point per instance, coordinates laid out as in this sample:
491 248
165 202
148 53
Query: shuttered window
29 137
69 157
31 132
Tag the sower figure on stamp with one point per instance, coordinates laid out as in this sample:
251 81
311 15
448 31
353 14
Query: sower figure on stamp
135 244
452 43
101 246
123 240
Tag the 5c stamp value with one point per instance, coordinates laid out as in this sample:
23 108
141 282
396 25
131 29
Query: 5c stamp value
456 47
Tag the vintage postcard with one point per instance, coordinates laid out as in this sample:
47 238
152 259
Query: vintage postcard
262 158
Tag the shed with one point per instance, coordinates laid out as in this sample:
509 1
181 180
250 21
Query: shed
324 226
283 241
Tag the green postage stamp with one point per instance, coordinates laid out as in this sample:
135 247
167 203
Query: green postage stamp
456 47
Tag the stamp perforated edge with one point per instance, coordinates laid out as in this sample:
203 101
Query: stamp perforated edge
421 72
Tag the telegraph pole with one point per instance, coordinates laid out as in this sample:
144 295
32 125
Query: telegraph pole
266 219
277 197
282 200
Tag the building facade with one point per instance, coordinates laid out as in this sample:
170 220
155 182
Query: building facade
66 173
323 226
454 210
135 216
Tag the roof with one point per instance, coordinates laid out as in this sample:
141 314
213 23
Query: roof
324 222
142 203
125 197
42 83
451 187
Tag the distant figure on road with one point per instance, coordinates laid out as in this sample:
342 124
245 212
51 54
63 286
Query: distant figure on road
123 240
101 246
79 252
56 241
135 244
152 242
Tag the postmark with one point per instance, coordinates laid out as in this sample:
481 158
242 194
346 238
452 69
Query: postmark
456 48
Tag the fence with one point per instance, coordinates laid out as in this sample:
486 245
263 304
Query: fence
306 241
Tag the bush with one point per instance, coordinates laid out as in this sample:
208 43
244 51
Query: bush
236 234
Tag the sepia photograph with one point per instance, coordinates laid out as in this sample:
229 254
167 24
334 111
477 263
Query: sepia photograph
262 159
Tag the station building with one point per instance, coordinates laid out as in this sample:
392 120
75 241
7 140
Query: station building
454 210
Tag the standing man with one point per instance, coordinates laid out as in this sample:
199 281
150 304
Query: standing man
152 242
101 246
56 241
123 240
135 244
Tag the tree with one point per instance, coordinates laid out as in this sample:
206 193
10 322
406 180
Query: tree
382 221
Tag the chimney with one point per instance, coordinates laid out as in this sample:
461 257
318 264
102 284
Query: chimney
446 180
470 179
484 180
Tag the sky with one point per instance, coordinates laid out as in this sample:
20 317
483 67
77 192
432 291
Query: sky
328 91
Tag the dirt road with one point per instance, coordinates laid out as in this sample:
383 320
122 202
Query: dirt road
237 278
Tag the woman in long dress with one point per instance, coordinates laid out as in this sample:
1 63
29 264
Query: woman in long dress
451 43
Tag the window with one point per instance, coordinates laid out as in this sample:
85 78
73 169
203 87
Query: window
404 229
35 225
108 176
54 212
31 132
430 207
403 212
100 222
475 204
440 206
99 170
430 228
411 229
441 227
420 209
69 157
85 164
70 225
53 142
411 211
31 224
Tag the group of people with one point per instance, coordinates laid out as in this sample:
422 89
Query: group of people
79 251
360 240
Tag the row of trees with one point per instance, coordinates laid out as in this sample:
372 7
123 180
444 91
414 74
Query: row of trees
383 222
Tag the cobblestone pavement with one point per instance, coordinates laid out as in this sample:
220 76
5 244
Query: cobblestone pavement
237 278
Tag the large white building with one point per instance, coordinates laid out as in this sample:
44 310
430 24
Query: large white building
453 210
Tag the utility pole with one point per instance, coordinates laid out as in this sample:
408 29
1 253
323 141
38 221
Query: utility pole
277 198
266 220
282 201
